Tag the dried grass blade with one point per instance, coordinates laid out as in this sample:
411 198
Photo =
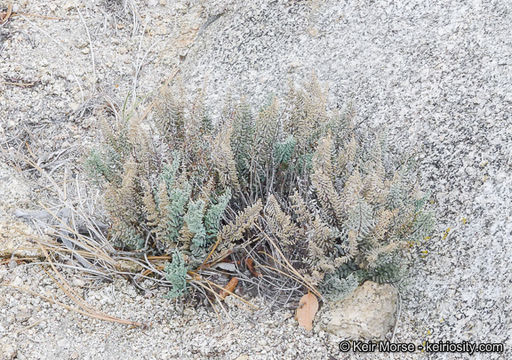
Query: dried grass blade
66 288
290 267
93 315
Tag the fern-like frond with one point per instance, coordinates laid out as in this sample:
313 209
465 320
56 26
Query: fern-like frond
360 220
346 156
176 274
234 230
214 215
152 213
194 221
352 190
223 158
279 223
299 207
326 193
284 150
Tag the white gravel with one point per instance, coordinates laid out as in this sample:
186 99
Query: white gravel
437 74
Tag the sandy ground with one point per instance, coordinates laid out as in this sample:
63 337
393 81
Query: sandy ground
437 75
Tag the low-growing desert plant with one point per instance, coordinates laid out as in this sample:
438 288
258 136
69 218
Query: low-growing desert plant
290 186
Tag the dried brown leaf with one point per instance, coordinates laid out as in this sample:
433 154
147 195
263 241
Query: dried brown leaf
229 288
308 306
250 265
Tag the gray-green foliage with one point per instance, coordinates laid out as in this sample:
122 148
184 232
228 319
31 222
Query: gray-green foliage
335 201
337 286
169 171
283 151
176 274
194 220
381 225
174 212
214 215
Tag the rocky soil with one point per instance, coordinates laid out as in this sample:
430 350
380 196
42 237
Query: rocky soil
437 75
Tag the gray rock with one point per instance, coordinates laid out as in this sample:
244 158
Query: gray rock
368 313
